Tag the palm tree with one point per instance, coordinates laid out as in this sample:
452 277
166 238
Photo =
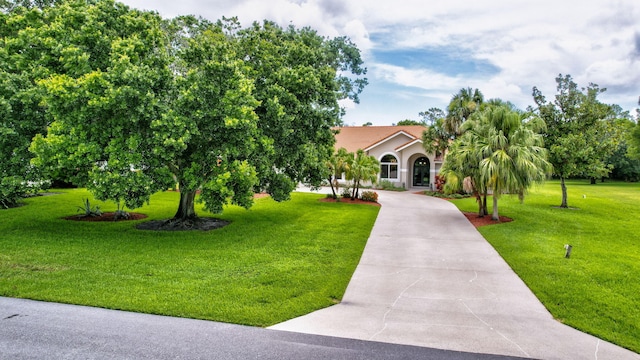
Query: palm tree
511 147
361 168
463 162
337 165
500 149
462 105
436 139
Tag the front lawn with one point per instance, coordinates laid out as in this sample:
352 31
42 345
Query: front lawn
597 290
273 262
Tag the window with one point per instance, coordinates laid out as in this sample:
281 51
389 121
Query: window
389 167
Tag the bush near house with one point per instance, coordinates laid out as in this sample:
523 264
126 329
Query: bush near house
440 181
388 185
369 196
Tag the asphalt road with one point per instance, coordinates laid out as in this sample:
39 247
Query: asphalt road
39 330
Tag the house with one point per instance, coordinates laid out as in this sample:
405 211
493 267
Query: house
403 160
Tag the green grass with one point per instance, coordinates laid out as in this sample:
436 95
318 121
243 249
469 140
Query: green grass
273 262
597 290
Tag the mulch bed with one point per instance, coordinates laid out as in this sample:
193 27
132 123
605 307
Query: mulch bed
486 220
107 216
201 223
349 201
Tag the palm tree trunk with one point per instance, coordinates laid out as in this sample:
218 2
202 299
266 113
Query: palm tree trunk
485 211
479 201
495 215
564 193
332 189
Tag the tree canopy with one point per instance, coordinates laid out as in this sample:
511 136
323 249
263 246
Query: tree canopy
409 122
501 149
28 53
139 103
461 107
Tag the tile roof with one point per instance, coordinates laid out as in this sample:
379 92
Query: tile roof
353 138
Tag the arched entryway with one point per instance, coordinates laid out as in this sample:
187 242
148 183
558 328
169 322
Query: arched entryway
421 172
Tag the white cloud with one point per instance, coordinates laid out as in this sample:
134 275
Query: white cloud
529 43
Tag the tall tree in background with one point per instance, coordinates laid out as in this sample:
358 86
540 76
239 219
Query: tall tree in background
462 105
436 138
579 135
633 137
409 122
432 116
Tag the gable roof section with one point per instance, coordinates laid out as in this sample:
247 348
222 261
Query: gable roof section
404 146
353 138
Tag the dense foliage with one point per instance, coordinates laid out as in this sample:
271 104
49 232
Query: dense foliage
132 103
500 150
581 132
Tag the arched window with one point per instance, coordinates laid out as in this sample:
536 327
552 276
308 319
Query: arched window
389 167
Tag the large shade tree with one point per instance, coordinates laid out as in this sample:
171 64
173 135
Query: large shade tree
220 110
108 85
29 52
580 132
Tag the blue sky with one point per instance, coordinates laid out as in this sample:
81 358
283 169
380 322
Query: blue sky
419 53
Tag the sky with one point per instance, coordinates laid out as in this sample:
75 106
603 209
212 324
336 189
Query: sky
419 53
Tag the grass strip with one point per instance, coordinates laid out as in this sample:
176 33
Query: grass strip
596 290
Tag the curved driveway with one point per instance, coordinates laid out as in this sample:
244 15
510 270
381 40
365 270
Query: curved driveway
428 278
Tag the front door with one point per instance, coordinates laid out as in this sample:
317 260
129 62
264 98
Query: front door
421 172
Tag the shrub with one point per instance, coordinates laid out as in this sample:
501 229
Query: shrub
120 214
12 189
346 192
388 185
445 196
369 196
440 181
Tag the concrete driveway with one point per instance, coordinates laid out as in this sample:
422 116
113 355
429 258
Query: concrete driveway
428 278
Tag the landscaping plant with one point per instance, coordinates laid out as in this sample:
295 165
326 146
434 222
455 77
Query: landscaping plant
88 210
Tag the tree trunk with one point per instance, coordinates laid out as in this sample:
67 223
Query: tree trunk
495 215
564 193
593 181
480 205
332 189
186 210
485 211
